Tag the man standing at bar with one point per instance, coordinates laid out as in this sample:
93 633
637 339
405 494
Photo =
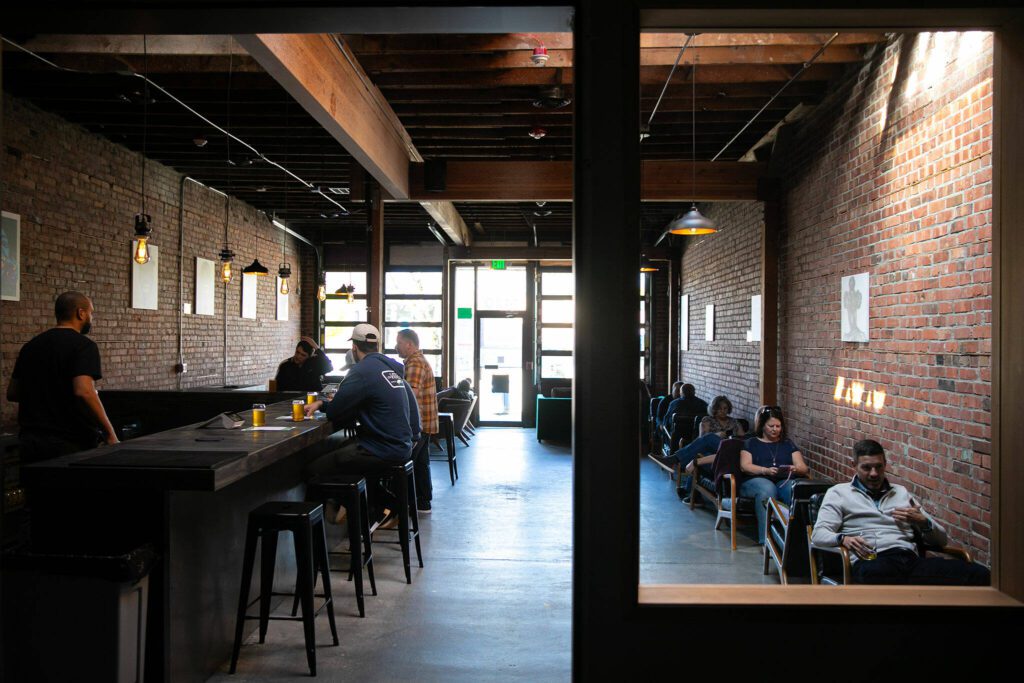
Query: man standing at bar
375 393
305 370
54 383
420 377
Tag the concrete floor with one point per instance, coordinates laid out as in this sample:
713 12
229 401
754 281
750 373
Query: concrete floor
493 601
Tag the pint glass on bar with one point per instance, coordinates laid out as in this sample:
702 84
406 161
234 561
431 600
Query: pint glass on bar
310 397
259 414
297 410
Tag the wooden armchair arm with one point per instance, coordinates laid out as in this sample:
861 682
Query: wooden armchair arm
952 551
838 550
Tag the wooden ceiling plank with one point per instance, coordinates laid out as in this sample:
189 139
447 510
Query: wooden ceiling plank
132 45
447 217
333 91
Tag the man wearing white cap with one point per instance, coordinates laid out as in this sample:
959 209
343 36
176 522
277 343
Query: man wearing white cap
375 392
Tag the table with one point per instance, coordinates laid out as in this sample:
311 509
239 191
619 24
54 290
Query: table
188 490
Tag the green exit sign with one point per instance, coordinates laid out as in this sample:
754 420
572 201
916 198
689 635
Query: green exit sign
464 313
497 265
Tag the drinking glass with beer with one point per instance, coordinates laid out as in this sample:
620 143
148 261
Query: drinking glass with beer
297 412
310 396
259 414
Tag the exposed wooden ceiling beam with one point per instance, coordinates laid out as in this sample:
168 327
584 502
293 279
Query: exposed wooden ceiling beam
132 45
649 75
333 91
448 219
381 44
751 54
484 181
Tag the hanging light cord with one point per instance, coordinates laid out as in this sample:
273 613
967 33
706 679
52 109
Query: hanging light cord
145 121
256 152
670 73
693 130
806 65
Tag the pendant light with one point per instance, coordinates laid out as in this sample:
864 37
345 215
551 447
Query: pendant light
140 254
647 266
321 292
255 268
226 255
348 291
284 271
693 222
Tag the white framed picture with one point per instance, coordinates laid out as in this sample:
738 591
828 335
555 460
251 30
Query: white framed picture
206 286
854 313
249 293
684 322
282 302
754 333
146 279
10 257
709 322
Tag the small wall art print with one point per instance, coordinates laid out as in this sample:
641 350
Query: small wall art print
684 322
146 280
10 257
855 307
709 322
249 291
282 302
206 286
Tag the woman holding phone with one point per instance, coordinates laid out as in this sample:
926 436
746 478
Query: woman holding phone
771 462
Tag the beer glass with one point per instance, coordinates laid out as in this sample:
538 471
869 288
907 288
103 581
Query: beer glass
259 414
298 414
310 397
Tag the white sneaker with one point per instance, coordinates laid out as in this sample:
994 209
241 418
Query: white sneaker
335 514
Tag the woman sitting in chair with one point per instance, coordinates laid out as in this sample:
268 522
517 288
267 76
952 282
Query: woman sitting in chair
771 462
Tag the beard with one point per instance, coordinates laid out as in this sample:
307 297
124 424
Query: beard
86 328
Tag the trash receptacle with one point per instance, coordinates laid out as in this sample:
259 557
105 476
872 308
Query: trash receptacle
74 616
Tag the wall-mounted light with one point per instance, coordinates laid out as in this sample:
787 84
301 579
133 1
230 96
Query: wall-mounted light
142 230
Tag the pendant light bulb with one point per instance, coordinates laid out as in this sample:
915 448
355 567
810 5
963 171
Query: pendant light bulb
321 292
141 255
284 286
225 272
283 273
351 294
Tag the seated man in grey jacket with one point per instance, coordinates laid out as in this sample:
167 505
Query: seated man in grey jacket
877 522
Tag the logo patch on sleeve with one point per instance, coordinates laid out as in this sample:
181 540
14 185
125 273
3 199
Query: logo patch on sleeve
393 378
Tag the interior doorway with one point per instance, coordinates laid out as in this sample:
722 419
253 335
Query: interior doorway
501 367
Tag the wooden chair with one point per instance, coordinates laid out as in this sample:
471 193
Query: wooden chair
788 550
831 566
721 487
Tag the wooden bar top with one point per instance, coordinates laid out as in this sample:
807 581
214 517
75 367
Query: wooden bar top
187 458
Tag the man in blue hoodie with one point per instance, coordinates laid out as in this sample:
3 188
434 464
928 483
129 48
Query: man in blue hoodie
375 393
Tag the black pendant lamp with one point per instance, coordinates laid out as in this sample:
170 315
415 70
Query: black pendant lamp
255 268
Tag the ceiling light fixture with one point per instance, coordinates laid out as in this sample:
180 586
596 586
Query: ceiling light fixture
255 268
321 291
284 271
200 141
552 97
348 291
537 132
693 222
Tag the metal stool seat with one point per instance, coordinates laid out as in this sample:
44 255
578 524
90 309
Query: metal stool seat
306 522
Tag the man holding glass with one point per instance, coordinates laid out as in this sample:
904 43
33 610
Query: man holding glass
879 523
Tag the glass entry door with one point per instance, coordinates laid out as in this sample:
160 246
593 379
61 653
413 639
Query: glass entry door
500 367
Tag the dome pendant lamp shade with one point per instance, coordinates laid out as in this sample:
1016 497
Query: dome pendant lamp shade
693 222
255 268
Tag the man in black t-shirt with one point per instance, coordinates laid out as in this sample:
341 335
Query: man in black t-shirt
54 384
305 370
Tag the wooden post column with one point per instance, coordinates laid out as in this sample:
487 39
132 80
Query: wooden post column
770 302
375 276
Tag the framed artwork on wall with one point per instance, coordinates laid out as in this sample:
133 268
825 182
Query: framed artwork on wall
754 333
684 322
709 322
146 280
206 286
282 302
249 291
854 308
10 257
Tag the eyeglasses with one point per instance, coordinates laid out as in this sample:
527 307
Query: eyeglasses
768 410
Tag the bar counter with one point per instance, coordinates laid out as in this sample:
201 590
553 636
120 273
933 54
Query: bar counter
188 490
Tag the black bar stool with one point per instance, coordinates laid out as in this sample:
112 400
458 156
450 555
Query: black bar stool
306 522
446 425
349 490
401 476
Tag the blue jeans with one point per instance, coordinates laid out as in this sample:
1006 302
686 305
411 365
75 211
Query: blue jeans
761 489
702 445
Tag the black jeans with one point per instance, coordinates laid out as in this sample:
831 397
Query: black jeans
905 567
421 472
38 447
351 458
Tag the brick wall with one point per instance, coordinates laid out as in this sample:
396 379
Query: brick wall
892 176
77 195
724 269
